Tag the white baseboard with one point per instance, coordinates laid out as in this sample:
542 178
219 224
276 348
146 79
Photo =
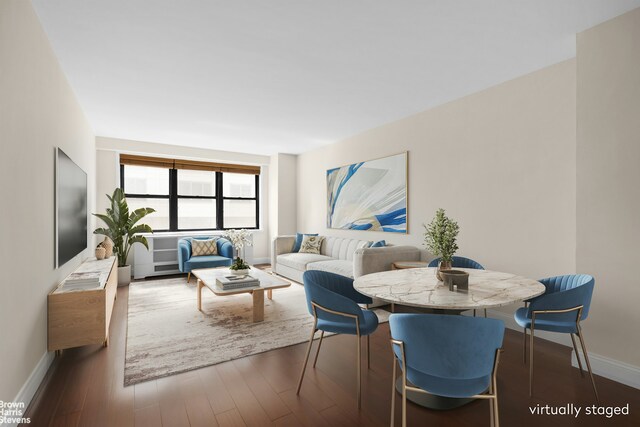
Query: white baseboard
601 365
30 387
262 260
609 368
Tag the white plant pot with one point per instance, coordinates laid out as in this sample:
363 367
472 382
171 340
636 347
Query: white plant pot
240 272
124 275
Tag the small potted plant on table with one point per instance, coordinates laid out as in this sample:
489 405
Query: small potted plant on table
239 239
440 239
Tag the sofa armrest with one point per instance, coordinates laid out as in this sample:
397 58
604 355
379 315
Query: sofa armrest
374 260
225 248
184 252
281 245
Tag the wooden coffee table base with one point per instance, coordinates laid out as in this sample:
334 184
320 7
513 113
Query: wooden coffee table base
257 294
258 305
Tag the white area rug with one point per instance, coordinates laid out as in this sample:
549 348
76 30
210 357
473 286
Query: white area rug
167 334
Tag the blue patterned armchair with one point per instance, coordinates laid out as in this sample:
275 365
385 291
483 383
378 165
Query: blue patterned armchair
187 262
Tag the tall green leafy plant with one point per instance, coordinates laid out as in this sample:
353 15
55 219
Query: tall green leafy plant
122 226
440 236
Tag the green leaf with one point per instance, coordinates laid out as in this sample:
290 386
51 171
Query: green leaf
140 228
138 214
123 212
139 239
103 232
108 220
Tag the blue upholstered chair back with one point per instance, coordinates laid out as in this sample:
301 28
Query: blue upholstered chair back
564 292
225 248
334 292
447 346
459 262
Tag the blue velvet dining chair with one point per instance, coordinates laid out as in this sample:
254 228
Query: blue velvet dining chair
561 308
461 262
446 355
333 303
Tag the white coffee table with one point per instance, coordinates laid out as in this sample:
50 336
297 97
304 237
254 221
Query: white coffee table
268 282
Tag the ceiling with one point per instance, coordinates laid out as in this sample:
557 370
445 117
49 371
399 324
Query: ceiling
290 75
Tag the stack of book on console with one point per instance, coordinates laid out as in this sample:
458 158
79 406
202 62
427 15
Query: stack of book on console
86 280
227 283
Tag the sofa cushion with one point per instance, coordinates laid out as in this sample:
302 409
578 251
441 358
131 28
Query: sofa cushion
311 245
339 248
206 261
298 242
299 261
200 247
337 266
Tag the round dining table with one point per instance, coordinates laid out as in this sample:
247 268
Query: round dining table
419 288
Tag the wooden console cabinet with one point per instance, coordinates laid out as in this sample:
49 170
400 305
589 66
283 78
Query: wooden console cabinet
82 317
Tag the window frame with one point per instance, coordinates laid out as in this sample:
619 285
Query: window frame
219 181
218 196
173 214
148 196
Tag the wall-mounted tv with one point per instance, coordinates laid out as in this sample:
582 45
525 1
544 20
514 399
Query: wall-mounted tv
71 208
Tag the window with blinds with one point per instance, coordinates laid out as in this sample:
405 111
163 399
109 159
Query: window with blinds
192 195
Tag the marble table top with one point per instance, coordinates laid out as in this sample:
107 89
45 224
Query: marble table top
419 287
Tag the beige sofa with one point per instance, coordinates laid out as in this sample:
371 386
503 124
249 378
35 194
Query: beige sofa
347 257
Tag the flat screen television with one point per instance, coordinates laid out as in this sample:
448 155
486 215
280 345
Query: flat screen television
71 208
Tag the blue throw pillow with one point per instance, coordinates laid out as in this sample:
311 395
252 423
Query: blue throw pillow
298 243
379 244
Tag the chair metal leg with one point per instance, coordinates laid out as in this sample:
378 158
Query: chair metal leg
306 359
318 350
531 363
368 353
359 372
524 347
485 312
575 349
495 402
492 418
393 392
586 359
404 398
188 277
474 312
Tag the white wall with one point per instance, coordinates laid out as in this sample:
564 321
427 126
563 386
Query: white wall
608 178
108 180
283 184
38 112
501 162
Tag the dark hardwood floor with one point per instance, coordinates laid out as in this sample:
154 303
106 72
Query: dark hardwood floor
85 388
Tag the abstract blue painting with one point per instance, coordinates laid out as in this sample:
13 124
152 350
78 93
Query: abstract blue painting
369 195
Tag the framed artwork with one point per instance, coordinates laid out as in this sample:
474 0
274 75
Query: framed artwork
369 195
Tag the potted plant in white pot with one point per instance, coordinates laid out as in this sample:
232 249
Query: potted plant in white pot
440 239
123 230
239 239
